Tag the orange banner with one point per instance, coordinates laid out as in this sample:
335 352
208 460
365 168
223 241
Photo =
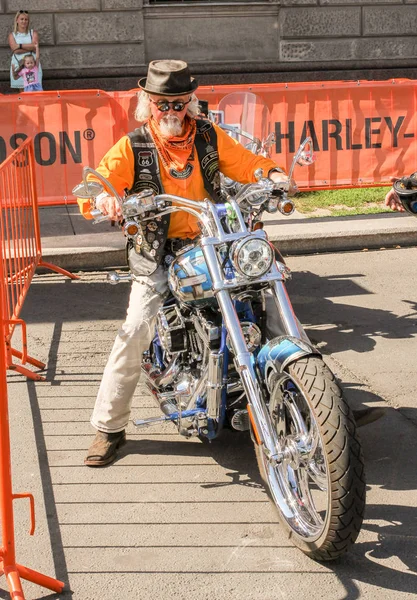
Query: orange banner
363 132
69 129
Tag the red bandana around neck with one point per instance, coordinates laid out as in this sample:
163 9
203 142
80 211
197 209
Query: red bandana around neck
176 151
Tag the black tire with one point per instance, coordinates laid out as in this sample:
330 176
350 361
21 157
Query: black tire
342 453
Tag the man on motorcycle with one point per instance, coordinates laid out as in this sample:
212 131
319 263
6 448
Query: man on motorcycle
177 152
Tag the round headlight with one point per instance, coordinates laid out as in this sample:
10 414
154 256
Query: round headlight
252 257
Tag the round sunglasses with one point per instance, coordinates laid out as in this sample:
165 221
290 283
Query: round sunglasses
164 105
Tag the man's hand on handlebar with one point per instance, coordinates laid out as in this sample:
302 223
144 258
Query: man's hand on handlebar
108 205
277 177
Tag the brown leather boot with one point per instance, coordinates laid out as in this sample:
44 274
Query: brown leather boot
103 450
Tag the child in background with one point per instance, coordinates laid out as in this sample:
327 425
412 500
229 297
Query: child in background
29 71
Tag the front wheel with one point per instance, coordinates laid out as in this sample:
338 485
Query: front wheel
319 486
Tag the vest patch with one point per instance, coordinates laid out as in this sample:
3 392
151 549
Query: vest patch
203 127
145 175
209 158
145 158
184 174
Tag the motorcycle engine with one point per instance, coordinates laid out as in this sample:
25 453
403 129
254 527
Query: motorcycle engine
186 337
171 328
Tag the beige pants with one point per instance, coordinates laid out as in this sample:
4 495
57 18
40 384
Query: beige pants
121 374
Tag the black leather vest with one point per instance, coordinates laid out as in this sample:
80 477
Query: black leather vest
147 176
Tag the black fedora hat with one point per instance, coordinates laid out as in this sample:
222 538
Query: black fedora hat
168 78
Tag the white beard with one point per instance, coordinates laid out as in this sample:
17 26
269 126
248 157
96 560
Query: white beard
170 126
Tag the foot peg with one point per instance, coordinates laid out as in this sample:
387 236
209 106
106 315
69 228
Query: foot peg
152 421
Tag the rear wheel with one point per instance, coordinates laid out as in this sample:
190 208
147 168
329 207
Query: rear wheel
319 487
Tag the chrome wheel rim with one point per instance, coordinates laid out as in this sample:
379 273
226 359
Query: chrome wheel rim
300 484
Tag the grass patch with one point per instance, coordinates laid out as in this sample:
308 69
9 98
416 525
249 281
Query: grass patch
342 203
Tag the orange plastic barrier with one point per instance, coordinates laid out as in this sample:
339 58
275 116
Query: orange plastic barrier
21 250
363 132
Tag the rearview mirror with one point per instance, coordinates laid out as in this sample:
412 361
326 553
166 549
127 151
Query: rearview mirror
305 156
88 189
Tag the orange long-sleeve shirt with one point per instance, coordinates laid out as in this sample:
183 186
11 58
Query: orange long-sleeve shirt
117 166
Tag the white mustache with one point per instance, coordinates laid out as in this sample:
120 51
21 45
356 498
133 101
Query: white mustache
170 126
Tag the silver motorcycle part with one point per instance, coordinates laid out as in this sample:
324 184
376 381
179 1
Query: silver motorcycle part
114 278
214 384
252 333
171 329
200 387
156 378
207 331
254 259
243 360
165 401
184 388
240 420
87 190
286 313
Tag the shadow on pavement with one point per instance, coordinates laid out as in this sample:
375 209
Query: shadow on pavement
396 530
57 549
232 450
346 327
64 300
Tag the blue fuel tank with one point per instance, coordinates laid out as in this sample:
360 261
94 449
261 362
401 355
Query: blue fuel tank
189 278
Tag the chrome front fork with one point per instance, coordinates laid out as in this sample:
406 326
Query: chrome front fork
262 423
259 413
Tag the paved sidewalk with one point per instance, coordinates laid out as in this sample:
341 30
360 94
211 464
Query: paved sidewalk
175 518
75 243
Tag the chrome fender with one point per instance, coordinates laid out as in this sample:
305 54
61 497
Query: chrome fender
277 354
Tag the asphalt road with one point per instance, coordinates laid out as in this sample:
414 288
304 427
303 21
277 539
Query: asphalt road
178 519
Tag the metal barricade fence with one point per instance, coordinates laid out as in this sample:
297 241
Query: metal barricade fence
21 250
8 566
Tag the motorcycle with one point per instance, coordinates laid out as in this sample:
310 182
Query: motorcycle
212 365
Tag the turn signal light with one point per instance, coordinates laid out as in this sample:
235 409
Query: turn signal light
132 229
287 208
258 225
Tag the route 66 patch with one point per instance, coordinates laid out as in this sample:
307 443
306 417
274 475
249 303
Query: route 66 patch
145 158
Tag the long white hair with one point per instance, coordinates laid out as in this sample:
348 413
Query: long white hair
143 108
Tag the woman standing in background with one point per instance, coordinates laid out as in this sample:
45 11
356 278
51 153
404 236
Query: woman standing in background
22 42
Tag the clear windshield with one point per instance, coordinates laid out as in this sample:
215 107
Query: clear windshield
246 118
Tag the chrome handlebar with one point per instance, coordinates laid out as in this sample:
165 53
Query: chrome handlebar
265 194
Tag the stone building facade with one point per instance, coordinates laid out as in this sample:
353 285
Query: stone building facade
108 43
